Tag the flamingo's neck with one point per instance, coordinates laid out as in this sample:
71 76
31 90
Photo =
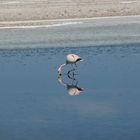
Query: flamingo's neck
61 81
60 68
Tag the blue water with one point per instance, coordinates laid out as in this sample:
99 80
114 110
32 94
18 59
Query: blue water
34 105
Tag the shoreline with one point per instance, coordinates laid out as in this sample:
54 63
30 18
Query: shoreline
58 22
64 24
35 10
85 32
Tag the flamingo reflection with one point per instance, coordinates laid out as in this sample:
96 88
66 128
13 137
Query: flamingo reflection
72 87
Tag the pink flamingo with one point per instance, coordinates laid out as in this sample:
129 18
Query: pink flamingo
70 59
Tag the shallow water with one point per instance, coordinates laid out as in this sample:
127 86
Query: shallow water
34 105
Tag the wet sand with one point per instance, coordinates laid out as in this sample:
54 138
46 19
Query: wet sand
82 33
38 10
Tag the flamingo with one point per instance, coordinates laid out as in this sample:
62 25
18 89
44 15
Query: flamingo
70 59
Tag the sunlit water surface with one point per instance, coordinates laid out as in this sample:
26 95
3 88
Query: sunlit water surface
34 105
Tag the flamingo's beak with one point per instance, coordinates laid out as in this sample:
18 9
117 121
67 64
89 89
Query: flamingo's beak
59 77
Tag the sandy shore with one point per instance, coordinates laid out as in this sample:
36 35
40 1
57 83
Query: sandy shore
73 33
19 12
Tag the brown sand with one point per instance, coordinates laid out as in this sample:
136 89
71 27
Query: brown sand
22 10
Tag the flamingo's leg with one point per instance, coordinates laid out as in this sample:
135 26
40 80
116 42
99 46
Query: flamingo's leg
72 70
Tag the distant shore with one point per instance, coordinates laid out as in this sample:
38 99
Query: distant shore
110 20
40 12
80 32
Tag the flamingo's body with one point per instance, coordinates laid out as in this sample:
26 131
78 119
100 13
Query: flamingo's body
70 59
